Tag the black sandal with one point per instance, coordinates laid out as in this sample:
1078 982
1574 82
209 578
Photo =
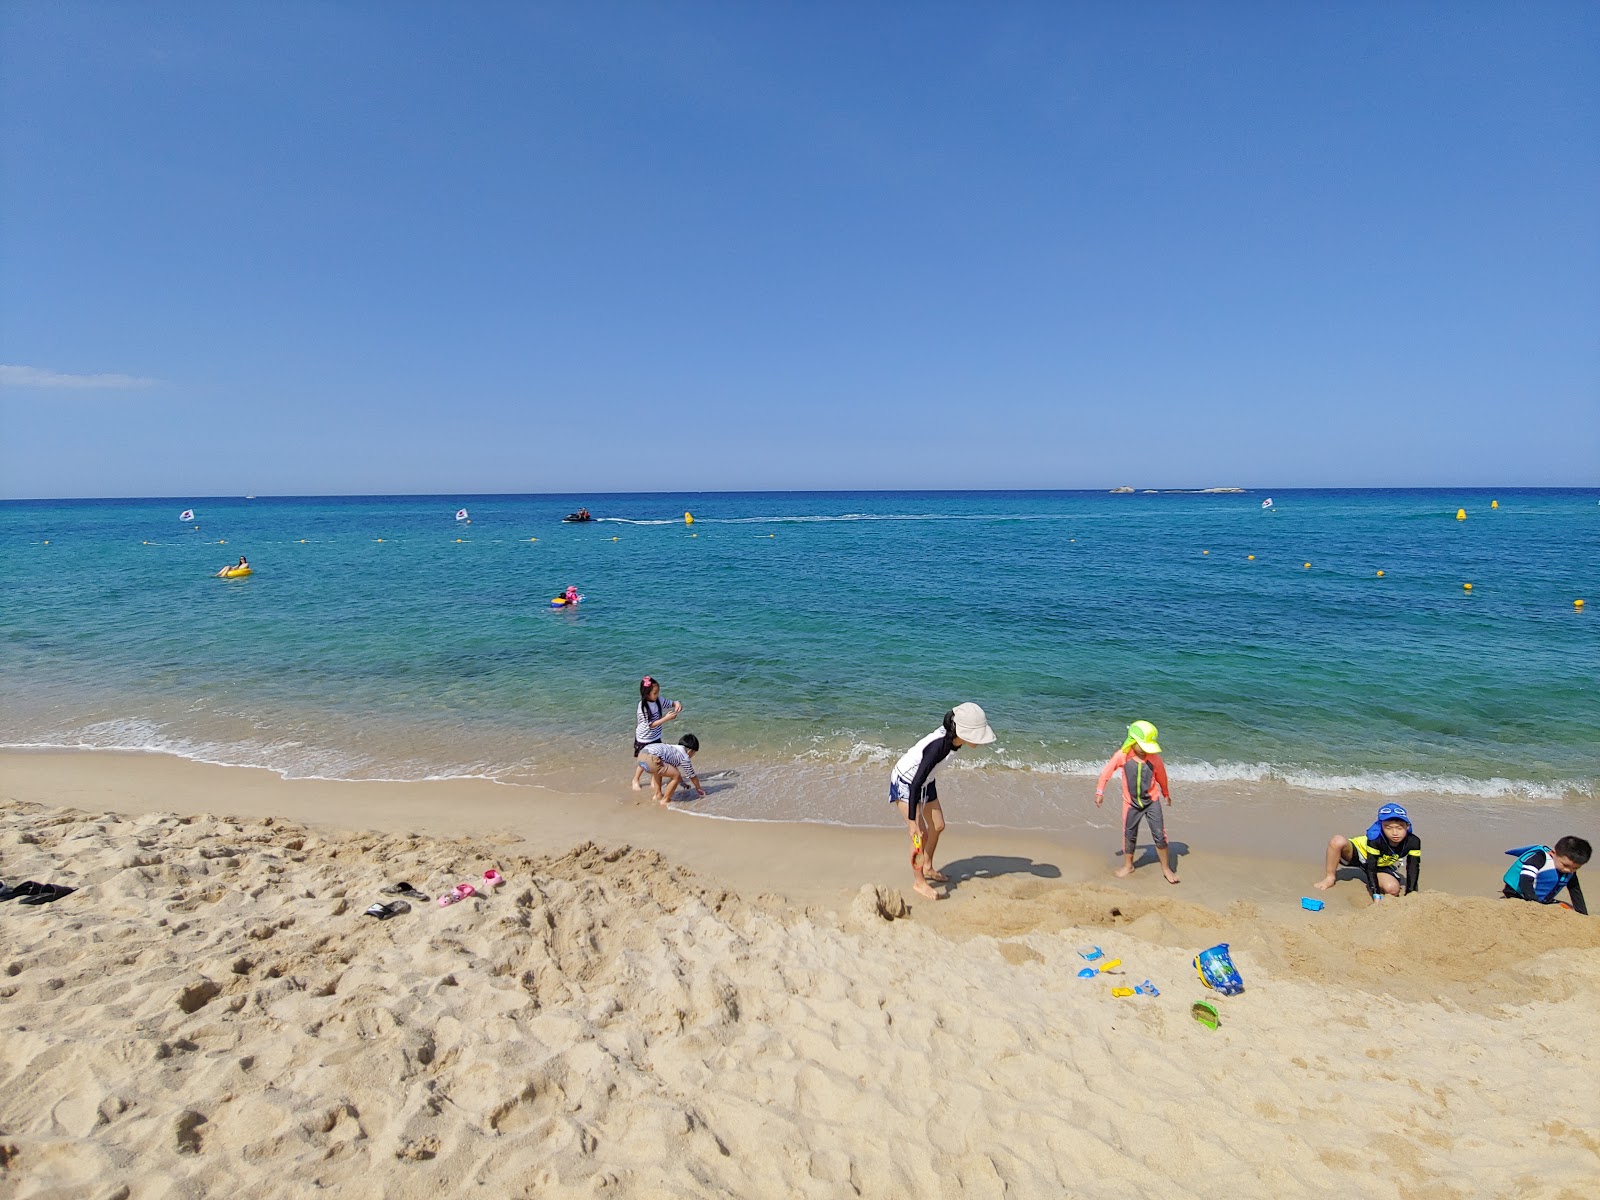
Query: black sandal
48 894
393 909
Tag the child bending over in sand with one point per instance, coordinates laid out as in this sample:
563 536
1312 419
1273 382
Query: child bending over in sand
912 788
1540 872
671 765
653 712
1388 844
1144 783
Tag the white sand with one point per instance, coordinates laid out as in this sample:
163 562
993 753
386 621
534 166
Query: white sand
212 1015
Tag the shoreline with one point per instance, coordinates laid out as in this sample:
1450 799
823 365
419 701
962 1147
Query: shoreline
576 764
1261 844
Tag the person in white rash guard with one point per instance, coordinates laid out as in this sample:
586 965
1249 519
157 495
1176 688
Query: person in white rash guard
672 765
913 790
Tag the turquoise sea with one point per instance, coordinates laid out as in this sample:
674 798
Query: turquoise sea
813 636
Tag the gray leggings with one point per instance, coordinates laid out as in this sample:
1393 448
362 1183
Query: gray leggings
1132 815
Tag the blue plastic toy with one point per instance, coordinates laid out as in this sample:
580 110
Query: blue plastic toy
1216 970
1307 903
1147 989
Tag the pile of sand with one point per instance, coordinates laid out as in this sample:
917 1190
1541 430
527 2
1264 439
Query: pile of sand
211 1013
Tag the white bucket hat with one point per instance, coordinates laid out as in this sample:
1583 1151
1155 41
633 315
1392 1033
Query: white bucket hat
972 725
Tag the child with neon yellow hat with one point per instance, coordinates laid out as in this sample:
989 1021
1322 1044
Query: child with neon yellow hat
1144 784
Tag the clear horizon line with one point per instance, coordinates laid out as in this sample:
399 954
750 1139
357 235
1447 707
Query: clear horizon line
1287 489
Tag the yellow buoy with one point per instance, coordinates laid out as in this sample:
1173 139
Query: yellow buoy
1380 574
769 535
1577 604
688 518
1467 587
1251 557
1494 504
458 541
613 539
533 539
1308 566
1461 514
302 541
222 541
47 542
379 539
694 535
1205 552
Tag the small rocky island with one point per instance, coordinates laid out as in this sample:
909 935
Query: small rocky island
1212 491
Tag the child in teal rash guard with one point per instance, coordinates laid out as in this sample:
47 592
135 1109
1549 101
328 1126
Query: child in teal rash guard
1540 873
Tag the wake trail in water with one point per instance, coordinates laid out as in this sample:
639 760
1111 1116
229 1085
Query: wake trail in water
832 518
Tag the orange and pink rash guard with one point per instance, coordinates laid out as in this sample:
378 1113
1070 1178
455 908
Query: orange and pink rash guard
1149 794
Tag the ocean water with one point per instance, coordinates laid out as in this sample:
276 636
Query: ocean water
813 636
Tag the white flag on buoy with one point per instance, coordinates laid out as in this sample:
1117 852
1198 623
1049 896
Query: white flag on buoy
461 514
1267 503
186 515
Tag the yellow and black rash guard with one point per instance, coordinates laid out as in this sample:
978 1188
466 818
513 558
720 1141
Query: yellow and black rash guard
1380 854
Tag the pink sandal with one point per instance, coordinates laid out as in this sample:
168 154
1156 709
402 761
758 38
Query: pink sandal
461 891
493 878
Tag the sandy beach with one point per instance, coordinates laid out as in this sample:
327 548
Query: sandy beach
655 1006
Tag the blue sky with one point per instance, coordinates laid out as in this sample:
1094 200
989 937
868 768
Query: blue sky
386 247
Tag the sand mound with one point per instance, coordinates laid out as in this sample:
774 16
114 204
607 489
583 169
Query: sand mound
211 1013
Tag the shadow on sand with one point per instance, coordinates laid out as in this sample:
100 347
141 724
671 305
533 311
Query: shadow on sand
1145 856
992 866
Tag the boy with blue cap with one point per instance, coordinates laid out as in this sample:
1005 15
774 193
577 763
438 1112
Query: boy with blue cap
1389 855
